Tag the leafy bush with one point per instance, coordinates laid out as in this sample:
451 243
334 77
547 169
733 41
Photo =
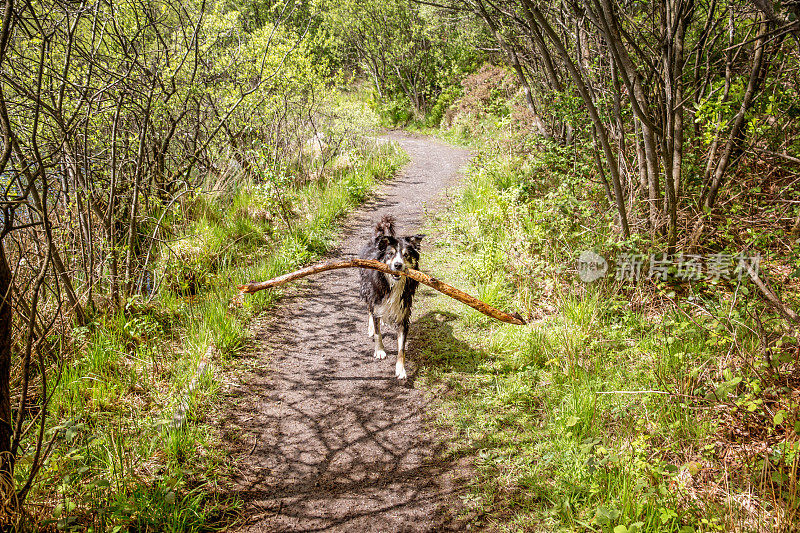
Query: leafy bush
443 102
396 111
191 261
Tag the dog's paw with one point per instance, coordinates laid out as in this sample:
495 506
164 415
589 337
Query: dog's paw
380 354
400 371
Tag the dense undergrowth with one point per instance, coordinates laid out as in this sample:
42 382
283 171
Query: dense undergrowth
136 448
647 405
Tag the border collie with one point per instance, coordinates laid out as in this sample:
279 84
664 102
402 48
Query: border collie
389 297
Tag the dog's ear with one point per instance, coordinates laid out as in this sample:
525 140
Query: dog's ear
415 239
382 241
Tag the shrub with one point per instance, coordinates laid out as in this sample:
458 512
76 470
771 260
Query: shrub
487 92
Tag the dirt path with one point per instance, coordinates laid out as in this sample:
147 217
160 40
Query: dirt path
326 437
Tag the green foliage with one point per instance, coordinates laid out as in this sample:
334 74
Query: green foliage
409 52
716 110
443 101
397 111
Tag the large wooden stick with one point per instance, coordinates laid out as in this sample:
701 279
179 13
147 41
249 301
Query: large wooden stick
440 286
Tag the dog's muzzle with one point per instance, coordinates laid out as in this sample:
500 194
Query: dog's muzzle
399 268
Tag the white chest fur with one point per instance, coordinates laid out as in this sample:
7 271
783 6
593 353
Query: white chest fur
391 309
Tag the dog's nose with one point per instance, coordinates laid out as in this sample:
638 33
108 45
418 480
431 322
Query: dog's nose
398 266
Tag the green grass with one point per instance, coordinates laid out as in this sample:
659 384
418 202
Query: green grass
134 448
610 410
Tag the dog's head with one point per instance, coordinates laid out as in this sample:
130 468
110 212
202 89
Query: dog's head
399 253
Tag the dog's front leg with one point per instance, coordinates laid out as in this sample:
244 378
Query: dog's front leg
400 369
371 325
380 352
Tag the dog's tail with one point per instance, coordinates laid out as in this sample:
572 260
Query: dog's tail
385 226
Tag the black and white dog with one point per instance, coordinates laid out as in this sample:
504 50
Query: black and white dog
389 297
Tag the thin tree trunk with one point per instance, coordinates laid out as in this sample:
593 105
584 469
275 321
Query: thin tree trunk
544 52
651 168
58 265
137 181
712 151
672 57
599 162
6 316
6 462
108 216
644 182
737 129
